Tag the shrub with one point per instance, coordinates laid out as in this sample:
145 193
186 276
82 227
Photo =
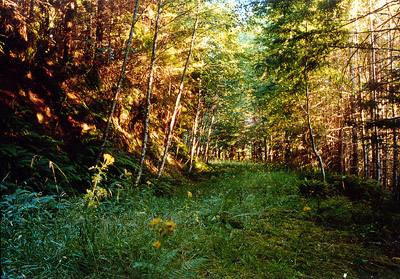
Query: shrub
357 189
317 188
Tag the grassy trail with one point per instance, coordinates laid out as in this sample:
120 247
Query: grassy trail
241 222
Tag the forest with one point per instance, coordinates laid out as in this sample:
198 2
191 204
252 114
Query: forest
200 138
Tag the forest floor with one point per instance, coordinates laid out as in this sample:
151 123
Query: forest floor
238 221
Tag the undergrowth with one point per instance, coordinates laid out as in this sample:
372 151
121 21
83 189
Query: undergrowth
243 221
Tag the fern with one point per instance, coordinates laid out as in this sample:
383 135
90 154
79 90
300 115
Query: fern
188 269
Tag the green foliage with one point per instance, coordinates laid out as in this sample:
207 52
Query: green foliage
357 189
24 207
163 188
96 193
41 164
183 150
335 211
317 188
188 270
242 222
38 163
349 202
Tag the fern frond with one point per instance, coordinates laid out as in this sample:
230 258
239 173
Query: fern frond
188 269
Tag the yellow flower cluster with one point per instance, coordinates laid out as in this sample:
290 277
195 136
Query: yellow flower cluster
165 229
108 159
155 222
157 244
189 194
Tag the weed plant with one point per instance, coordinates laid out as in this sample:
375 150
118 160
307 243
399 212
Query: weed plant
243 221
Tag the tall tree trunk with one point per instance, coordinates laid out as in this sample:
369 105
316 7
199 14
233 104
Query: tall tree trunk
199 146
121 78
88 34
375 144
354 152
194 131
209 136
99 35
341 150
31 11
178 98
354 157
69 17
148 104
314 148
395 164
396 182
364 146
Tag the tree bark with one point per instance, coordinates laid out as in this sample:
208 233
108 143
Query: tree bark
121 78
395 164
69 17
199 144
194 131
148 104
178 98
375 144
99 35
208 137
314 148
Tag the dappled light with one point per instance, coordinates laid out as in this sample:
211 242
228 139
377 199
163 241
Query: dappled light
200 139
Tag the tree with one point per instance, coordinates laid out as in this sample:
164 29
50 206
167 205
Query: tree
120 80
298 38
178 97
148 96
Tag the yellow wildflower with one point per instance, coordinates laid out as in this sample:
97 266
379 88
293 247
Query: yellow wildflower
306 208
108 159
157 244
148 183
155 222
167 229
189 194
169 224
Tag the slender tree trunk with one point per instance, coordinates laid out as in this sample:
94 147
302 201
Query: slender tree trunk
209 136
314 148
200 141
121 78
99 35
69 17
178 98
148 104
355 152
341 150
31 10
375 144
396 182
88 35
354 161
364 146
395 166
194 132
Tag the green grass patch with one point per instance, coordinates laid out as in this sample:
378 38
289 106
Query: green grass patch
243 221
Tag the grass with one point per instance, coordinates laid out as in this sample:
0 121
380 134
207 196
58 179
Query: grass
243 221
